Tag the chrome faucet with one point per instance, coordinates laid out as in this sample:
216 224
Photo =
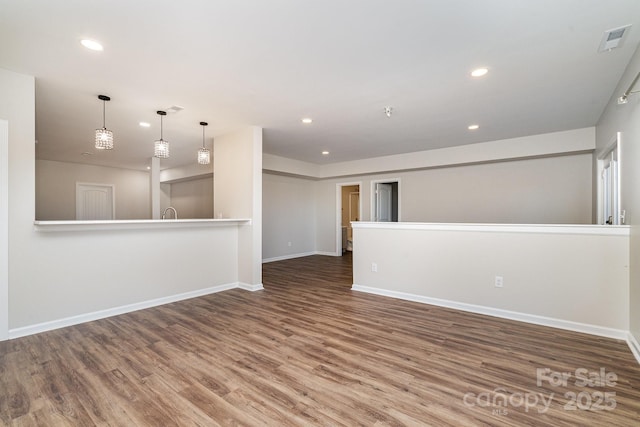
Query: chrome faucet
175 213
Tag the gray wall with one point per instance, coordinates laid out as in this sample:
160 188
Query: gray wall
552 190
193 198
56 189
289 215
555 190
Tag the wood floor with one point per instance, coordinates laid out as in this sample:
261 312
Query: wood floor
309 351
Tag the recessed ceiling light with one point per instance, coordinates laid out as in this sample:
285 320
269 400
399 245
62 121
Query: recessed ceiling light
148 168
92 44
325 153
473 127
145 124
307 120
479 72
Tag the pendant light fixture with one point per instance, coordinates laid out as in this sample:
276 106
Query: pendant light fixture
161 147
204 155
104 137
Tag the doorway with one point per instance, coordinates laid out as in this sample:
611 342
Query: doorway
348 209
609 204
385 200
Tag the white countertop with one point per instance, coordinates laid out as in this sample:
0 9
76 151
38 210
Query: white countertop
137 224
609 230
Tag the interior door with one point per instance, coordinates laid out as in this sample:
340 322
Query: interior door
383 202
354 206
610 193
94 202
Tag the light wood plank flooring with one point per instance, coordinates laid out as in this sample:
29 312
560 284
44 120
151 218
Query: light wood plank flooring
309 351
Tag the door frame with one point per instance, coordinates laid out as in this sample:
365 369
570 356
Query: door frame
373 196
4 230
339 211
353 193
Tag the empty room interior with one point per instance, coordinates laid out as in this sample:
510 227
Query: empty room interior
320 213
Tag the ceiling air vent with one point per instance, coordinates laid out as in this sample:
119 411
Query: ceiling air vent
613 38
174 109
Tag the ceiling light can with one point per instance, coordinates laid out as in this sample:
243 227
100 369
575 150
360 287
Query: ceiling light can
479 72
92 45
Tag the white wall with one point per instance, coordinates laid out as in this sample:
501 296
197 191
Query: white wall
549 144
65 274
574 277
193 198
237 191
56 189
190 171
289 216
17 106
4 230
89 271
543 145
626 119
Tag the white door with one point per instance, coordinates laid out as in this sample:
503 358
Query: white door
383 202
610 189
354 207
94 202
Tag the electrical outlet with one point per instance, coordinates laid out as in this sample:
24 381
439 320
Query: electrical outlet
374 267
499 281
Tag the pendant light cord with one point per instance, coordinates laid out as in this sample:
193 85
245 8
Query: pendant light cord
104 121
202 136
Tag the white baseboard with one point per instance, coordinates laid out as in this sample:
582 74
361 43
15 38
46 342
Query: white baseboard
299 255
505 314
252 288
327 253
634 346
290 256
101 314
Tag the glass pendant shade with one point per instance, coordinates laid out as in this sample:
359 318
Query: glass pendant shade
161 147
204 155
104 137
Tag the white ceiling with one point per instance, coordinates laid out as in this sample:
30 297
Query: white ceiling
271 63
